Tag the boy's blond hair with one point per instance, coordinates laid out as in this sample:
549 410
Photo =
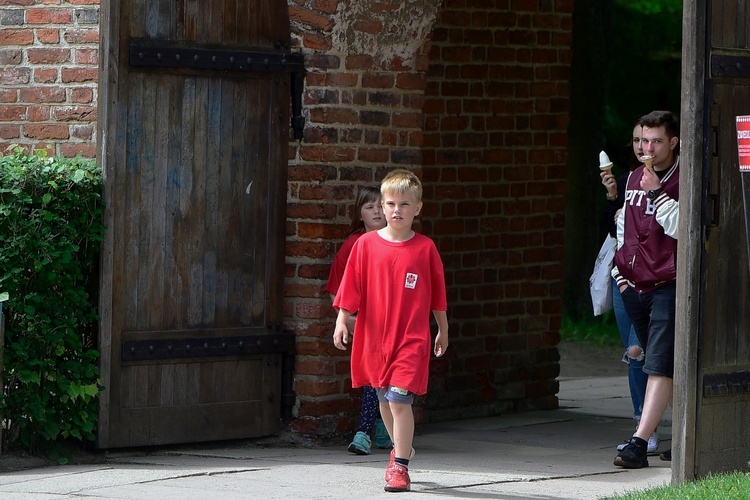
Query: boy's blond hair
400 181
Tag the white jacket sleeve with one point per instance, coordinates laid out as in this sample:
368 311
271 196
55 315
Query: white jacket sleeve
668 214
620 222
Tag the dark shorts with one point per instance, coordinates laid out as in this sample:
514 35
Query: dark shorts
652 314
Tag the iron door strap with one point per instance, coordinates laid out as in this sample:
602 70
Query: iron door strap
726 384
165 56
199 347
160 54
734 66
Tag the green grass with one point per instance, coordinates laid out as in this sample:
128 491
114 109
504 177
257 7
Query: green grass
599 330
714 487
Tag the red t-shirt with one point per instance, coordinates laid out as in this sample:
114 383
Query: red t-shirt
393 287
339 264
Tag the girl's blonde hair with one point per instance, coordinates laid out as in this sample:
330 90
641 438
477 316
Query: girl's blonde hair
400 181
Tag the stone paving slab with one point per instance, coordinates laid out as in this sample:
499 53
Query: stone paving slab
561 454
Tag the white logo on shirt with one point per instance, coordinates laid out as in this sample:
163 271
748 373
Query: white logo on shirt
650 207
637 197
411 280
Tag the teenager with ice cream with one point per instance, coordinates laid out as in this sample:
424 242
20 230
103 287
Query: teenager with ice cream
646 270
634 355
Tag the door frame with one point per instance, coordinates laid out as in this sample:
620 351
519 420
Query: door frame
690 236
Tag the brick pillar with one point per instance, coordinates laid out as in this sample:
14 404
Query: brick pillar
363 100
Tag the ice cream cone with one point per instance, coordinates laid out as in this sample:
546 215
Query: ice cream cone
604 162
647 160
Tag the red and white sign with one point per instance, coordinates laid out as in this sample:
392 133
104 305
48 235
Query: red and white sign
743 142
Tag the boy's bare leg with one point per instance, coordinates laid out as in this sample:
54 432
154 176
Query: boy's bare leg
403 429
385 414
658 396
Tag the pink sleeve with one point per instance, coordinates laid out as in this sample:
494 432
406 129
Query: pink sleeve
339 264
349 293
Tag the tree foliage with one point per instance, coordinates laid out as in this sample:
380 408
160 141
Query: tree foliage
626 63
644 70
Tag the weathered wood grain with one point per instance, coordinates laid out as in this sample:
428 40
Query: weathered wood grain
189 248
710 432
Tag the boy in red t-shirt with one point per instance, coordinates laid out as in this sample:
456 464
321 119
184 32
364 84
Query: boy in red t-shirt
393 279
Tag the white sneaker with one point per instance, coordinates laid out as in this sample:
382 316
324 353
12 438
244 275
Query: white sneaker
653 443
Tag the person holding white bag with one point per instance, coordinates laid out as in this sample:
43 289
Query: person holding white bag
634 356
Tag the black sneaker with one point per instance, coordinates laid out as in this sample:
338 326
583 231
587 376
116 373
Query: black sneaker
633 456
667 455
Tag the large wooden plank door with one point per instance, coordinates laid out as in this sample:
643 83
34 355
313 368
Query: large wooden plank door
193 142
716 437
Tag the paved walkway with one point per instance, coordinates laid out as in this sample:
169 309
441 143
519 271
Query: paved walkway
561 454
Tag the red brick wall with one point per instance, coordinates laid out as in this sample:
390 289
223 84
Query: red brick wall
474 97
48 75
494 156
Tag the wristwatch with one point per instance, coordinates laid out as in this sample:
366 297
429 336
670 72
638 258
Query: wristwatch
653 193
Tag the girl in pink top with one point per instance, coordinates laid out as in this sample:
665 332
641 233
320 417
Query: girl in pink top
367 216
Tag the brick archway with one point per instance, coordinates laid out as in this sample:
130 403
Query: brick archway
476 101
475 98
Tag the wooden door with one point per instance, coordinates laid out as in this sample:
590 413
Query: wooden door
194 105
712 429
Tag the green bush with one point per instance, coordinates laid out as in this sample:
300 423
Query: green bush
50 230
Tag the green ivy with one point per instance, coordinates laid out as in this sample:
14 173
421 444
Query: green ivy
50 231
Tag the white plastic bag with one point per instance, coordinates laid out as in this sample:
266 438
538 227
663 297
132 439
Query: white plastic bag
600 282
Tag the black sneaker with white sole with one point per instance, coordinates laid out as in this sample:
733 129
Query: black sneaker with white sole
653 444
633 456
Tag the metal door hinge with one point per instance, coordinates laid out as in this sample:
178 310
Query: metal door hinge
162 54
